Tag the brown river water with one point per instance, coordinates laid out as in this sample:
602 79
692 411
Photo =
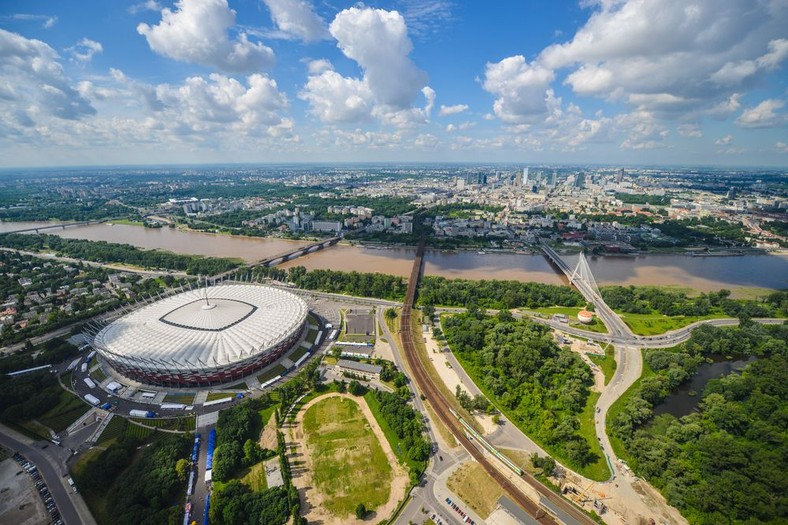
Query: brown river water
700 273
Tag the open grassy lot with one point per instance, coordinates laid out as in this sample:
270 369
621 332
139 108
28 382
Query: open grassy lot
186 398
112 431
213 396
98 375
598 469
68 410
571 312
255 478
655 324
606 363
311 335
297 353
271 373
349 465
237 386
475 487
178 423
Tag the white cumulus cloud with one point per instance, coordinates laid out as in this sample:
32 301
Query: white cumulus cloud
297 18
520 86
197 32
763 115
33 86
84 50
452 110
724 141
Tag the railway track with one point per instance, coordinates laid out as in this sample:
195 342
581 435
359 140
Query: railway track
443 410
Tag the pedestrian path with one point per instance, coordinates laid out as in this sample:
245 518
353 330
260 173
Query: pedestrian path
201 397
97 433
79 422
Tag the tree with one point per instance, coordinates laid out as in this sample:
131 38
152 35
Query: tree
390 314
361 511
356 388
182 469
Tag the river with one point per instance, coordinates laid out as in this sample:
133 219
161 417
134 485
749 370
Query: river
685 400
700 273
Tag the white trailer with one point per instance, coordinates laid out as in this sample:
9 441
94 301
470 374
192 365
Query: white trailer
88 381
91 355
141 413
83 368
172 406
93 400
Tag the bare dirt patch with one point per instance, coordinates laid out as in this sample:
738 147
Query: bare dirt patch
475 487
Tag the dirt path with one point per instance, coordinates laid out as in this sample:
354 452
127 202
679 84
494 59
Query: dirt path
268 435
301 466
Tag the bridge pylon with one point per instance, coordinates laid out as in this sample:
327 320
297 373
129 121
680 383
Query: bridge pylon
583 272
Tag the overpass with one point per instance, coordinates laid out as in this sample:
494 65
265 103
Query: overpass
62 226
582 279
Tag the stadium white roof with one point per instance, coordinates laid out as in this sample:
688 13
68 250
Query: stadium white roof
205 328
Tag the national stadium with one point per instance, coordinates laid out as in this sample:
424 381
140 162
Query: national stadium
205 336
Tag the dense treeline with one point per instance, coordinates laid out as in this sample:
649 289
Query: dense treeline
50 352
637 198
503 295
105 252
237 431
542 388
724 463
237 504
99 473
646 300
76 212
377 285
144 492
407 424
27 396
148 492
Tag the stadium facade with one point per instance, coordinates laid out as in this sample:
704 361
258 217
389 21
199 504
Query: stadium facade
204 337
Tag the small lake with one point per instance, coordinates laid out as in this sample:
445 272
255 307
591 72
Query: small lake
681 403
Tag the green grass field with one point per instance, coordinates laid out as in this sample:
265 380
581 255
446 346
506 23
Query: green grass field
98 375
297 353
571 312
271 373
606 363
68 410
598 469
349 465
255 478
618 406
237 386
310 337
186 399
112 431
213 396
655 324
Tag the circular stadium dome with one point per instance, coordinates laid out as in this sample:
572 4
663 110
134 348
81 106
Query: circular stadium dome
205 336
585 317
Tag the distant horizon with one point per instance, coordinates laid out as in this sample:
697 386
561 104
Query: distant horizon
437 163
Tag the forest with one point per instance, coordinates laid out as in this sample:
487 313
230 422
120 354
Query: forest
723 463
503 295
407 425
378 285
28 396
638 198
70 212
105 252
237 431
147 491
646 300
540 387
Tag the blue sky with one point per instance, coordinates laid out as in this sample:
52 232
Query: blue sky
625 82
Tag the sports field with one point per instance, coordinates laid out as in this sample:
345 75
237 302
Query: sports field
349 465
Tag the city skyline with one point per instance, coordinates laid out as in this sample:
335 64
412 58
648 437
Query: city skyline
211 81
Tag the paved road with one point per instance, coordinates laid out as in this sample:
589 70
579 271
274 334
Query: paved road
50 471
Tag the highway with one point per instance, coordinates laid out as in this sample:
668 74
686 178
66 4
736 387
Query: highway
442 409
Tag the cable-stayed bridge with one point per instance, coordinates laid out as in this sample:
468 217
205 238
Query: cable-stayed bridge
582 278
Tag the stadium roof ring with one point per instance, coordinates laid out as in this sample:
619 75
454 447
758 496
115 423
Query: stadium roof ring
204 337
